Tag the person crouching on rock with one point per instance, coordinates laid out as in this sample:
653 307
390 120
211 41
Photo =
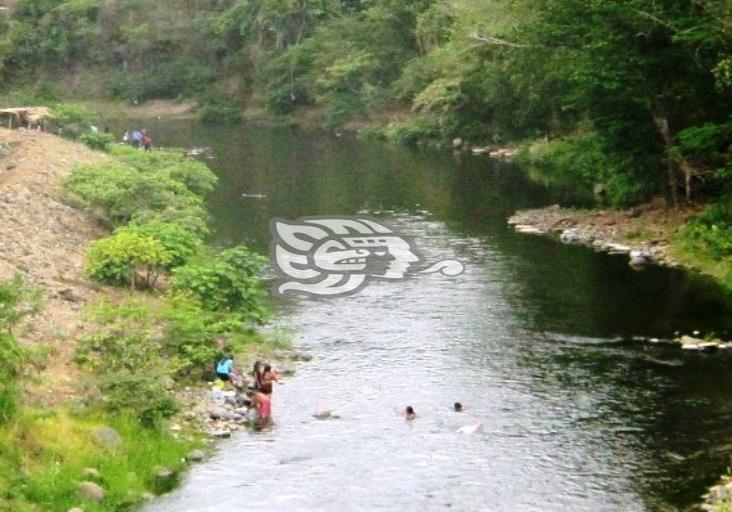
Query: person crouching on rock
225 368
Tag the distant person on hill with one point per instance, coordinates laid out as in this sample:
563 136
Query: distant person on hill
225 367
146 140
136 138
126 137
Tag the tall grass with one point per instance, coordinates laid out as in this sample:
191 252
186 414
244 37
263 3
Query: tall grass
44 456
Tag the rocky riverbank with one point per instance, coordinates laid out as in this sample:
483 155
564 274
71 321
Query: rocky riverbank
644 233
219 413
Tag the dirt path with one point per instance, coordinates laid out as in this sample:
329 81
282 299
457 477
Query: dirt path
45 240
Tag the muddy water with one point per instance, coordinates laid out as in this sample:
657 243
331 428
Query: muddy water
534 337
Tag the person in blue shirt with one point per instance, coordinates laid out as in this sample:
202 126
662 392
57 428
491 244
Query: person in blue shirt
225 367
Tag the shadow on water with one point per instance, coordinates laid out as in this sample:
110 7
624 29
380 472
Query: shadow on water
534 336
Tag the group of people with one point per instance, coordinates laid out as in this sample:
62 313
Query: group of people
258 391
138 138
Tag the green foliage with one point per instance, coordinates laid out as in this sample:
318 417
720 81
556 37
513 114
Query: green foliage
124 353
194 337
45 453
179 244
585 161
157 186
226 282
219 110
127 257
70 120
713 229
97 140
17 300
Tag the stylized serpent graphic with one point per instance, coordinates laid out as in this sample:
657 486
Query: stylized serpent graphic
331 256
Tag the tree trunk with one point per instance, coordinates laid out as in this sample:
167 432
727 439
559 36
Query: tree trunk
661 121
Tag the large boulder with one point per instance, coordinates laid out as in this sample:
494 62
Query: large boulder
107 437
92 491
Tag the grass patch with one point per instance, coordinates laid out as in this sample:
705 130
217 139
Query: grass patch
45 454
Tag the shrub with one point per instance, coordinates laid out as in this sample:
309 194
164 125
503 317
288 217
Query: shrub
220 111
70 120
227 282
123 192
132 373
192 335
97 140
127 257
180 244
17 300
581 161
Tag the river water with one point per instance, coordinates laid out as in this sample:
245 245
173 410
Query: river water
534 337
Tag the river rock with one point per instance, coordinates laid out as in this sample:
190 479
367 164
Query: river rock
529 230
165 480
570 236
221 434
639 258
106 437
92 491
322 415
617 248
75 509
219 413
457 142
196 456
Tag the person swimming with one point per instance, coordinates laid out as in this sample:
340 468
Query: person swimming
458 407
409 413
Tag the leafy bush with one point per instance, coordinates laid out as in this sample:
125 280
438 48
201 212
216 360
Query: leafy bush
219 110
180 244
17 301
145 192
412 133
195 175
127 257
70 120
192 336
227 282
583 160
132 373
97 140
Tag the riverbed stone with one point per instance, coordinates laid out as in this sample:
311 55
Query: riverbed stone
92 491
197 456
219 413
75 509
107 437
570 236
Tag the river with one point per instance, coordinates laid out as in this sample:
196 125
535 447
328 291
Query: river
534 337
